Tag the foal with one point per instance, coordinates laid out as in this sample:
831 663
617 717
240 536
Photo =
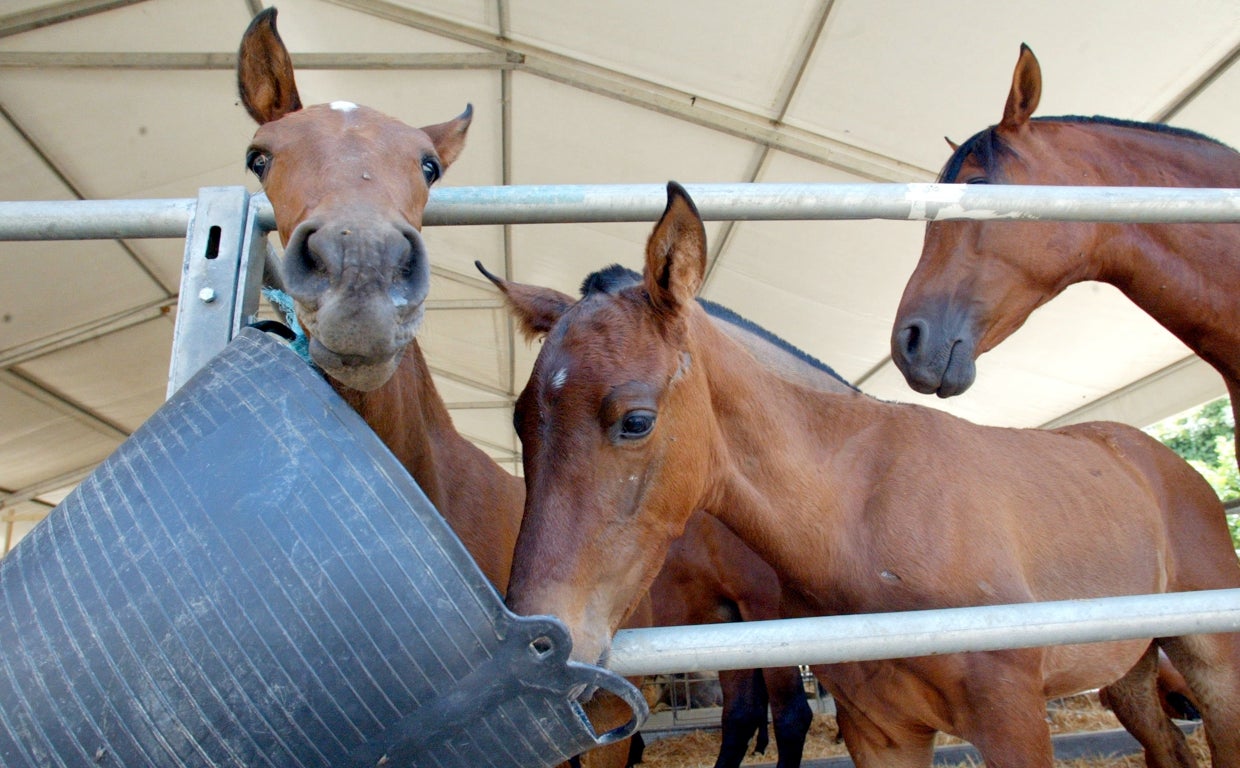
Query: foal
348 185
640 411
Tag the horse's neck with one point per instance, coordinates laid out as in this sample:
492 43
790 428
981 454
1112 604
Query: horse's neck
1185 276
482 502
412 420
777 435
781 362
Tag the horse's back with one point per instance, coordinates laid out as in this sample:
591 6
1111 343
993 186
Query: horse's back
1082 511
1200 553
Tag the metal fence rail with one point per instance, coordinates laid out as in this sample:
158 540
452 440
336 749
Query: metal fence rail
564 204
831 639
95 219
225 227
905 202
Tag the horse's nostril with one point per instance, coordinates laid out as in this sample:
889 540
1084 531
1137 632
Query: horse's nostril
310 261
413 266
910 338
305 267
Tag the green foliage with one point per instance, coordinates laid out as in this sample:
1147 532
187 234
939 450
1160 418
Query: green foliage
1195 434
1205 437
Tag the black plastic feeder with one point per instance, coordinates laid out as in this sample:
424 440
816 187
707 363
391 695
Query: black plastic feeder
253 580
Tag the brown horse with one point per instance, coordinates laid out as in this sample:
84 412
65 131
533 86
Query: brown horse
348 185
640 411
711 576
978 281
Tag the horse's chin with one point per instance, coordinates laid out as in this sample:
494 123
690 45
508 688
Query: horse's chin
595 649
364 377
952 379
959 373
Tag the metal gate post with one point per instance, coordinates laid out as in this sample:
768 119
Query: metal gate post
208 306
255 250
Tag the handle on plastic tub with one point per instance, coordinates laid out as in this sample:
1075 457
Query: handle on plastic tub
548 641
597 677
532 658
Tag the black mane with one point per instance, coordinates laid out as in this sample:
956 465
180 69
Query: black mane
615 278
608 280
987 146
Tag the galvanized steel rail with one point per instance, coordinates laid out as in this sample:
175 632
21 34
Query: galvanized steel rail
126 219
906 202
95 219
724 646
862 637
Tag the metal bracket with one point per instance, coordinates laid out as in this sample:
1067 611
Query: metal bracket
216 292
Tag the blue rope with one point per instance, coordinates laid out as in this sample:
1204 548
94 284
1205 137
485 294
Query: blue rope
284 302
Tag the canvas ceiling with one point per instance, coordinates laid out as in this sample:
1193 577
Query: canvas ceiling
136 99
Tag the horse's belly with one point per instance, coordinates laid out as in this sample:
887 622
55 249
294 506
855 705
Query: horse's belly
1069 669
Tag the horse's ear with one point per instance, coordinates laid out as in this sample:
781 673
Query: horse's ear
1026 90
536 309
449 137
265 71
675 253
951 144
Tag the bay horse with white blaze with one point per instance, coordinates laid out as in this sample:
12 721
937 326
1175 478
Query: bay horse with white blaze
978 281
640 411
710 576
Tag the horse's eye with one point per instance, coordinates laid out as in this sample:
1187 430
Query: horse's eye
636 424
258 162
431 170
978 180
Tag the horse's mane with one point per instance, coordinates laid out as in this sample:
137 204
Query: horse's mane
610 280
987 145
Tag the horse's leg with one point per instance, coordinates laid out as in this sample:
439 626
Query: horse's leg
1003 711
1134 700
637 749
744 713
871 746
790 713
1211 665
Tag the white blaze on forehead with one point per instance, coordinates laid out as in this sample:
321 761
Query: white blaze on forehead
558 379
343 106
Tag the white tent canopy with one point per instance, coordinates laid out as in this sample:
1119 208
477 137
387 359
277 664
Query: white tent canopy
136 99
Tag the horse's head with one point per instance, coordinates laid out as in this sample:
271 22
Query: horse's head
978 281
611 423
348 185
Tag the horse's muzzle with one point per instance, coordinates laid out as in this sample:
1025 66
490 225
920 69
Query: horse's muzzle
933 362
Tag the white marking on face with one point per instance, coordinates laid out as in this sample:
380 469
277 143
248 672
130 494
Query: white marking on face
558 379
682 368
343 106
